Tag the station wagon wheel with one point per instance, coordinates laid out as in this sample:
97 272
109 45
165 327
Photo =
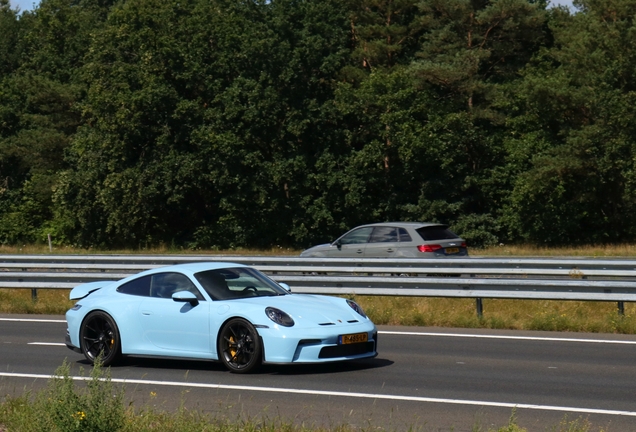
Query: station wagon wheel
99 335
239 346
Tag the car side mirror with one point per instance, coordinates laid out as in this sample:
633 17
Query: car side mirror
285 286
338 244
185 297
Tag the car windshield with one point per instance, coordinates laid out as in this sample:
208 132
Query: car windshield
357 236
239 282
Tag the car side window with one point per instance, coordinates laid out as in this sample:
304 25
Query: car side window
360 235
138 287
384 235
163 285
404 236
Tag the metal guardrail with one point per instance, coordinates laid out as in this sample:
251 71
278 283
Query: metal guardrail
478 278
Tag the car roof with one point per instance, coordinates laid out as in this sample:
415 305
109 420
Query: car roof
194 267
406 224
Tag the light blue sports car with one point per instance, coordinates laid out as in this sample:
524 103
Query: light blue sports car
215 311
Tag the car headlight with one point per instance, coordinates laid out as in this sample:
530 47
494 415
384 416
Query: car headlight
76 307
279 317
356 307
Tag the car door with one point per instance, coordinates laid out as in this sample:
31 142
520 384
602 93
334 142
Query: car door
406 246
176 327
383 242
352 244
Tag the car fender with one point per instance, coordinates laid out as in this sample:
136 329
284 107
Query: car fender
255 315
124 313
83 290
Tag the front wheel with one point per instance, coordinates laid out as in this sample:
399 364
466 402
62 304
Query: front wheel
239 346
99 336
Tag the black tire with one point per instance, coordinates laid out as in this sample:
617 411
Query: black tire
99 335
240 346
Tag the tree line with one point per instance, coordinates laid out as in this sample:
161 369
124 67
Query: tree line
255 123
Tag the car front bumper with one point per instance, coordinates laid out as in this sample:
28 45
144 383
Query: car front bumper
318 346
69 344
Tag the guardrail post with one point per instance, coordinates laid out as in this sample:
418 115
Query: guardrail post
621 308
34 294
480 308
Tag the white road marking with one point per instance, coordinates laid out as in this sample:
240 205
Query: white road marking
341 394
47 343
529 338
32 320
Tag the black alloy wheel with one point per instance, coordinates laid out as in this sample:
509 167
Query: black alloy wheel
240 346
99 336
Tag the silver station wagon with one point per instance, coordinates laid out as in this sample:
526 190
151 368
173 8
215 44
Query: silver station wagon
394 240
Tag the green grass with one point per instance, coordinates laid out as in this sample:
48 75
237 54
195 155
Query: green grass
68 250
48 302
591 251
574 316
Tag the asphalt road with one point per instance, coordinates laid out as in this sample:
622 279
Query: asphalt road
428 379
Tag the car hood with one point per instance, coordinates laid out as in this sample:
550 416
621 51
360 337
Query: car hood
308 309
317 248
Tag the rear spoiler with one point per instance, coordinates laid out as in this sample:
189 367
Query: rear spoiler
83 290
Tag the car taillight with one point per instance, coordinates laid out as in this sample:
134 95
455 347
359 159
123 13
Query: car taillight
428 248
464 245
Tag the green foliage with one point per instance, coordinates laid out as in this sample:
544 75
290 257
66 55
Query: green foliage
38 111
216 124
573 139
478 230
206 134
9 29
384 33
65 407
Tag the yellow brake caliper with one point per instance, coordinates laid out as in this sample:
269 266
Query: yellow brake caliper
232 347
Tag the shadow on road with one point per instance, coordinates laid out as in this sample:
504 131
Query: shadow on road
326 368
200 365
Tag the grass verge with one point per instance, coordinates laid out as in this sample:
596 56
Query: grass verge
574 316
590 251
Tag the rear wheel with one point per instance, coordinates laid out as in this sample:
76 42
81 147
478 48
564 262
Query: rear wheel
100 336
239 346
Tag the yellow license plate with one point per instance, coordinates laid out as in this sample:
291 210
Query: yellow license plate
452 250
353 338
